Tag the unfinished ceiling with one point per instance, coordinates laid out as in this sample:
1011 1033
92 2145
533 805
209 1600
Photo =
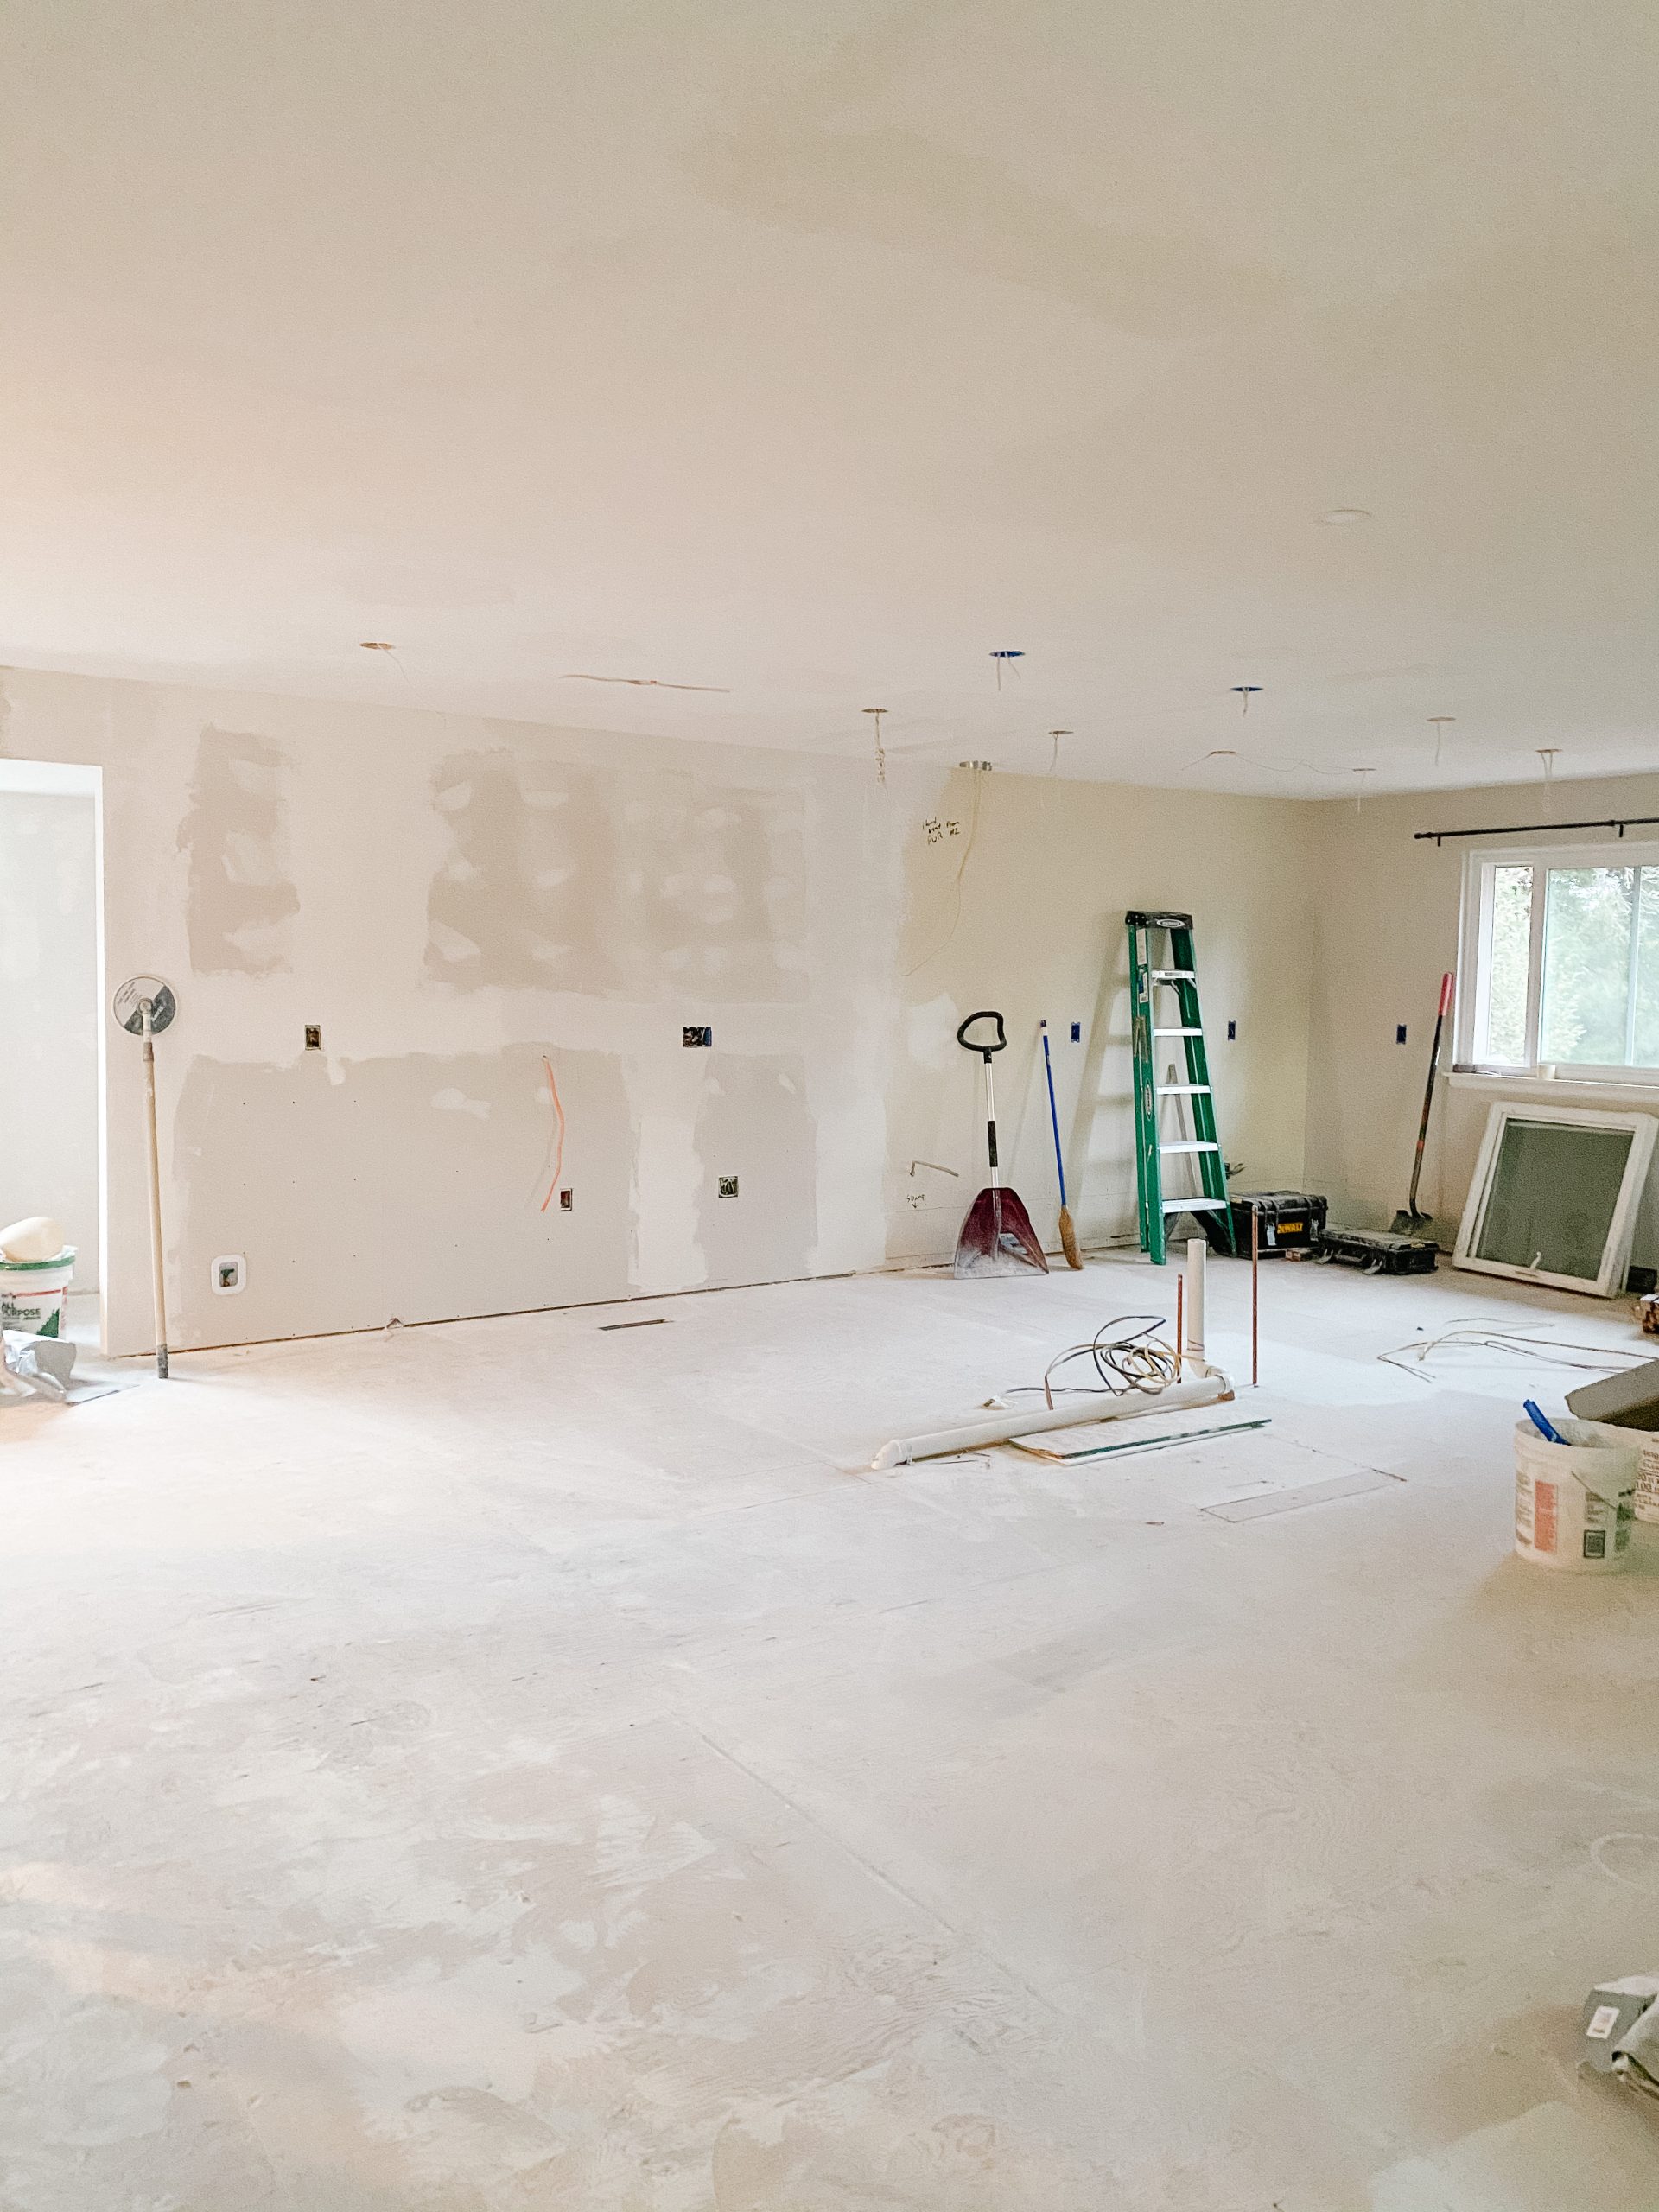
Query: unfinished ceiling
817 353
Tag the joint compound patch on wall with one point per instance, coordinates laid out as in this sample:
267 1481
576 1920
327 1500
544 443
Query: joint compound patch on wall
241 899
633 882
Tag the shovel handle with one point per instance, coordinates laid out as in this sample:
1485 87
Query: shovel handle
973 1045
1429 1092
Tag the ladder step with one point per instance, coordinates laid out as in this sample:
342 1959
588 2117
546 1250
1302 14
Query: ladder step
1194 1204
1181 1090
1177 1032
1173 974
1202 1145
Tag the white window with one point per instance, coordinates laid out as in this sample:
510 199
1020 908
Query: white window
1563 948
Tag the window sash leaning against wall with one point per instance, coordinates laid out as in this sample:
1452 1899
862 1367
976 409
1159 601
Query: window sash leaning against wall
1562 943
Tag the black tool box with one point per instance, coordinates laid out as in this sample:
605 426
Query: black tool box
1379 1252
1292 1221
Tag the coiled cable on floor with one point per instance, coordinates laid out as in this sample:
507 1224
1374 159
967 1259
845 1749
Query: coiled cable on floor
1127 1354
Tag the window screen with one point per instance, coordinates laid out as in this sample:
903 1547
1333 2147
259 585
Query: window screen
1553 1188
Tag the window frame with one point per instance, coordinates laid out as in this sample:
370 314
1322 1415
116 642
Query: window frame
1474 956
1609 1279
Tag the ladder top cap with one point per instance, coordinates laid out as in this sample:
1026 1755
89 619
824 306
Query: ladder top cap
1137 920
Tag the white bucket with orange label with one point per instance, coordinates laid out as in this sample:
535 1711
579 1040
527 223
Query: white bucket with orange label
1574 1501
1647 1480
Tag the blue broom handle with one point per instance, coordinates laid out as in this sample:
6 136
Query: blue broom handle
1054 1119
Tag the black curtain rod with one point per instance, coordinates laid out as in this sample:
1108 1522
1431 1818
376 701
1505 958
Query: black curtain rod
1621 823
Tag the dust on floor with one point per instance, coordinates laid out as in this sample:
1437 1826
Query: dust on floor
527 1763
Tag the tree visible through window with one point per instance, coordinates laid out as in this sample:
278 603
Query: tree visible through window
1568 961
1587 916
1511 939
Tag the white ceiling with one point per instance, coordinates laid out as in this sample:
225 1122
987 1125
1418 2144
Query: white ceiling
819 348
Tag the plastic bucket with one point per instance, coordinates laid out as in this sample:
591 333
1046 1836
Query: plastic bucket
1575 1502
33 1293
1647 1481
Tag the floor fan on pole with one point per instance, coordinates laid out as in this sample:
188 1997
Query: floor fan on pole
145 1007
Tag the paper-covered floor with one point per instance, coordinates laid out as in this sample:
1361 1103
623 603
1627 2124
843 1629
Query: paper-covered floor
527 1763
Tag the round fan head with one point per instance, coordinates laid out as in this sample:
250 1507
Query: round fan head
129 1004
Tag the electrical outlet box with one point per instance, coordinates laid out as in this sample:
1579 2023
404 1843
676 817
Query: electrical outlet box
1399 1033
567 1201
312 1037
1232 1032
229 1275
697 1032
1077 1033
729 1187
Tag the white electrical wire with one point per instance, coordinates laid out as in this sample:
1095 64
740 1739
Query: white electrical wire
1486 1332
1272 767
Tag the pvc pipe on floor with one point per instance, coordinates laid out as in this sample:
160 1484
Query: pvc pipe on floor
999 1428
1193 1351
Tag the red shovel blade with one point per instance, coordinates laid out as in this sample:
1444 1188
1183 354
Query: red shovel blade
997 1237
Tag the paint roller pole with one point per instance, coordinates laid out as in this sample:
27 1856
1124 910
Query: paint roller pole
158 1283
1255 1296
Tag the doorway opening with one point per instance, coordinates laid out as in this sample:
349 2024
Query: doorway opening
52 1158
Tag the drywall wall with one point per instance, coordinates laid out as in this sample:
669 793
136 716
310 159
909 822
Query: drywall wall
48 981
500 933
1385 930
1032 925
474 916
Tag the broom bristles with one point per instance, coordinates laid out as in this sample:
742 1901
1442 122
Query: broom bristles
1069 1239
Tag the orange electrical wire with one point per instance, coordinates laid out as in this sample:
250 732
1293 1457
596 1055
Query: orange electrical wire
558 1158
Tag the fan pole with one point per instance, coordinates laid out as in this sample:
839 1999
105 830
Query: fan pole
158 1280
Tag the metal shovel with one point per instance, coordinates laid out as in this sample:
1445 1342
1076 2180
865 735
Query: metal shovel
1408 1222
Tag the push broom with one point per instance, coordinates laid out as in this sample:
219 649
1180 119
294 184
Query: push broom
997 1237
1068 1233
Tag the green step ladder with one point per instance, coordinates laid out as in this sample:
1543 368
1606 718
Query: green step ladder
1164 999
